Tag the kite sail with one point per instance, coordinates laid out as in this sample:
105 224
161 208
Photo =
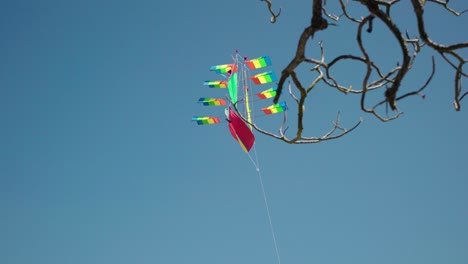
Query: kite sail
268 93
258 63
240 131
276 108
212 101
216 84
224 68
265 77
206 120
232 87
236 77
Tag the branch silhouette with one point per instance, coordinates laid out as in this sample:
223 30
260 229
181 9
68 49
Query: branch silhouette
389 81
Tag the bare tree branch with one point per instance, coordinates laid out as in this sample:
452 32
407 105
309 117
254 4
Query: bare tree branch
273 15
374 78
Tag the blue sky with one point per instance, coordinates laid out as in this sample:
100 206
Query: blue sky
99 162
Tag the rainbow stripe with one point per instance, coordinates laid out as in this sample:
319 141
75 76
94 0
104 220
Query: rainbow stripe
216 84
265 77
224 68
268 93
258 63
212 101
206 120
276 108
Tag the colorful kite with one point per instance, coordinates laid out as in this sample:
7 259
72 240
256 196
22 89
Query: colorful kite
238 114
237 80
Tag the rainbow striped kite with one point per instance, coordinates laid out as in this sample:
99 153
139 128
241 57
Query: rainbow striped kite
265 77
268 93
206 120
216 84
258 63
212 101
276 108
237 78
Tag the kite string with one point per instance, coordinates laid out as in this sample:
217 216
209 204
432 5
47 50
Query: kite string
265 200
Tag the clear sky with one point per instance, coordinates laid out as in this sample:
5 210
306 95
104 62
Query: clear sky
100 163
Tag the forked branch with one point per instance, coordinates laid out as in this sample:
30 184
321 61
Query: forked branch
374 78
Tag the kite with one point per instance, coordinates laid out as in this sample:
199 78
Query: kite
238 112
238 109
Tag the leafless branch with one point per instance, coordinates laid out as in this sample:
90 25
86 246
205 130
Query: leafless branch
445 5
273 15
374 78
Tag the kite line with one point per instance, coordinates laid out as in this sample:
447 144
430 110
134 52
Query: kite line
265 200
